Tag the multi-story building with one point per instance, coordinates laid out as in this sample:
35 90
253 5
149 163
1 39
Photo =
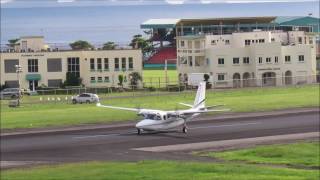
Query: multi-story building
257 58
243 51
44 67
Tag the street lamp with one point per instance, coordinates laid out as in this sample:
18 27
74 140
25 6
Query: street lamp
18 71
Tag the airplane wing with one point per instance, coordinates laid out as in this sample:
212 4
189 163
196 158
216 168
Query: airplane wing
202 111
213 106
120 108
188 105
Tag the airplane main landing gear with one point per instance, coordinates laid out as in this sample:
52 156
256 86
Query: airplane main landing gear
184 129
139 131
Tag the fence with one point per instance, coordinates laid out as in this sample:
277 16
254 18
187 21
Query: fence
236 82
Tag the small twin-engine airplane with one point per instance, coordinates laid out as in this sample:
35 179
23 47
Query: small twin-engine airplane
158 120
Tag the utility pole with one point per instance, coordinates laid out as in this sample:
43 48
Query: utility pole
166 71
18 71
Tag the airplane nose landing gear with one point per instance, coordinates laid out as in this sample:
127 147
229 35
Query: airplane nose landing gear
139 131
184 129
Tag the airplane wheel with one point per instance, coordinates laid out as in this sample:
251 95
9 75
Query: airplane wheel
184 130
139 131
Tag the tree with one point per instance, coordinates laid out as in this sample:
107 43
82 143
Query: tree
12 42
135 77
120 78
81 45
139 42
72 80
109 45
206 79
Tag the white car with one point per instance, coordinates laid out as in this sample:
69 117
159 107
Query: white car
85 98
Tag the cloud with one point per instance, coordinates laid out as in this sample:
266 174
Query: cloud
175 1
251 1
66 1
5 1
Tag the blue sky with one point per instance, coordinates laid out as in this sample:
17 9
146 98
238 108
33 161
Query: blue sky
55 3
119 20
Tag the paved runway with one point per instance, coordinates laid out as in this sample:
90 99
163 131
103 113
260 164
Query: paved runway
117 144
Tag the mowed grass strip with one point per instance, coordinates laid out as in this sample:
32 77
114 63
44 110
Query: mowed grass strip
34 115
297 154
165 170
157 78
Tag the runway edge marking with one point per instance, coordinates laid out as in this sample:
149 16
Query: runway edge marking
228 143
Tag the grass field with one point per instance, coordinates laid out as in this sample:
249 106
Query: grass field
156 78
187 170
298 154
32 115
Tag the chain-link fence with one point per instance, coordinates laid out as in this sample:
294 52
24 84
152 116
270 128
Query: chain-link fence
162 88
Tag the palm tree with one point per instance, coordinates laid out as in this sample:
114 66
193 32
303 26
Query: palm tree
12 42
81 45
109 45
139 42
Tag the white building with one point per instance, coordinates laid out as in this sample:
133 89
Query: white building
235 60
44 67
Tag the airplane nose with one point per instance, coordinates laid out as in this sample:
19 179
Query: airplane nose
138 125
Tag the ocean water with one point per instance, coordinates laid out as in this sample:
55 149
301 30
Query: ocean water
120 23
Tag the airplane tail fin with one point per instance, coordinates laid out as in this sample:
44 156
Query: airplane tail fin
199 101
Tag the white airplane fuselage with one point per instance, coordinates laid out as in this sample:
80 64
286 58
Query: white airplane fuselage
160 125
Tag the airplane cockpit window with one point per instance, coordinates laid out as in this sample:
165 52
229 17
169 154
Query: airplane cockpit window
152 116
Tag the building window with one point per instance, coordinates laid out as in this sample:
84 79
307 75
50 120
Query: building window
92 66
32 65
276 59
236 61
301 58
310 40
10 65
183 60
246 60
227 41
106 64
99 64
54 65
106 79
268 60
261 40
287 58
220 61
300 40
54 82
74 66
130 63
100 80
272 39
123 64
247 42
190 60
182 43
116 64
260 60
93 79
213 42
220 77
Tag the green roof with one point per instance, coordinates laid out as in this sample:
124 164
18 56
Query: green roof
299 21
33 77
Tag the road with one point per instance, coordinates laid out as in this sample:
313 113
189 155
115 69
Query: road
117 144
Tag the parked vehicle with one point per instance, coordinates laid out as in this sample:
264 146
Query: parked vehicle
85 98
10 93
